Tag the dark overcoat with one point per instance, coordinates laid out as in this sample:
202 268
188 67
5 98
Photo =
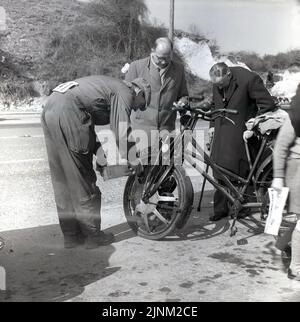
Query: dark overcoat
246 94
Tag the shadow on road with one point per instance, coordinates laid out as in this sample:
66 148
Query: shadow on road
199 227
38 268
121 232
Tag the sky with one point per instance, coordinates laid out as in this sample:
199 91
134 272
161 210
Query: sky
262 26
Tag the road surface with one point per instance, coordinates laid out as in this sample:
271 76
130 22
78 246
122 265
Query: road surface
202 263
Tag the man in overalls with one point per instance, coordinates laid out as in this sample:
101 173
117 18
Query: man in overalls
68 120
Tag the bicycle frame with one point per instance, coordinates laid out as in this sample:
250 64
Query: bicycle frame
232 193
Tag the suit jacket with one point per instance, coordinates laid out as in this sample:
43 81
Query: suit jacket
248 95
158 115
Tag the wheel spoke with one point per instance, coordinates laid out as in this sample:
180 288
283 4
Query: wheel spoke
160 217
167 207
160 176
167 198
145 219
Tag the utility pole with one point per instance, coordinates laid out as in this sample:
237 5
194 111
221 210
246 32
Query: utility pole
171 25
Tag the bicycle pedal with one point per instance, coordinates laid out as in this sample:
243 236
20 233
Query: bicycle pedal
242 242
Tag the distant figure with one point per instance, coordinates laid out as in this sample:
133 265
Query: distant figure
270 80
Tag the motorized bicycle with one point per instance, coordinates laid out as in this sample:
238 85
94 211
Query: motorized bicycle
159 200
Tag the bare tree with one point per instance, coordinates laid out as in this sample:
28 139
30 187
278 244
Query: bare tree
125 18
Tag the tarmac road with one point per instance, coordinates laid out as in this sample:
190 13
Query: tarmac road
202 263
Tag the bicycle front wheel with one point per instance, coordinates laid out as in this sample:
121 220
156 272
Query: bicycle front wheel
167 209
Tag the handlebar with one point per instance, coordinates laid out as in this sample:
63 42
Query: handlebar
196 99
214 112
204 113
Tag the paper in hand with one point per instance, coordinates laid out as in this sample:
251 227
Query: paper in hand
278 200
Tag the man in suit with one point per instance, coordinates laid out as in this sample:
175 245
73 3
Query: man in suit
168 85
238 89
68 120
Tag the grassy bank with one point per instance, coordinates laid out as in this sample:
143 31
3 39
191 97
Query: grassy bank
51 42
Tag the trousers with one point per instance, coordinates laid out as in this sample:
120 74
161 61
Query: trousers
70 142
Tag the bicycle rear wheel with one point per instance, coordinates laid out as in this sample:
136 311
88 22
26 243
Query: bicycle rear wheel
167 209
264 183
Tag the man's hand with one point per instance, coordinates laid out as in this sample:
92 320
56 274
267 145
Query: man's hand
211 133
136 167
278 183
247 135
100 168
97 146
184 101
101 160
205 106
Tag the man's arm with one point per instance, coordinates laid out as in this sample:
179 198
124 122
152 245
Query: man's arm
213 106
120 124
132 72
183 90
295 111
183 93
284 141
262 97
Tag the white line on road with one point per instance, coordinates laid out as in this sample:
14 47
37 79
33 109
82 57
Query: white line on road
21 137
22 161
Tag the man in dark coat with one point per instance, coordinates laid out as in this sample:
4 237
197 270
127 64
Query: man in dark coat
239 89
168 85
295 111
68 121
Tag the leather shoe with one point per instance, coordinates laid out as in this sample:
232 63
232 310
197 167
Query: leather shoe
73 241
217 216
101 239
291 276
287 252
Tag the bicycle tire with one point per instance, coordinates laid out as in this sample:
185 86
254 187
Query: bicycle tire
264 183
176 220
